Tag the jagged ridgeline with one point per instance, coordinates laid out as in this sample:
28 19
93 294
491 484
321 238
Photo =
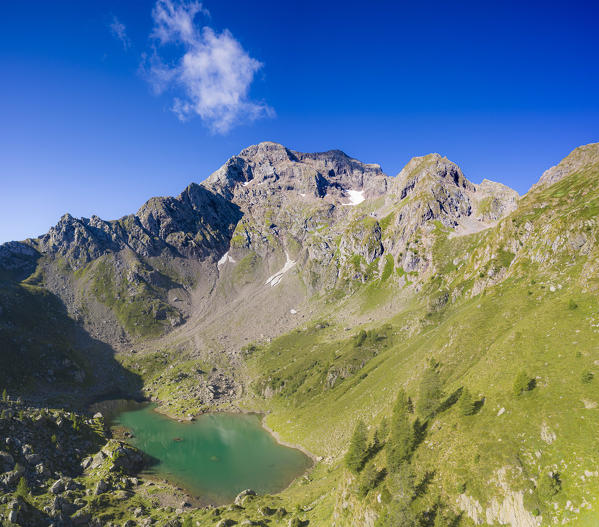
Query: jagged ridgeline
445 333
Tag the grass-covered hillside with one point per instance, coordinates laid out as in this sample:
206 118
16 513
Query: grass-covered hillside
498 353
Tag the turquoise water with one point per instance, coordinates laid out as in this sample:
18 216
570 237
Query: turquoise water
217 456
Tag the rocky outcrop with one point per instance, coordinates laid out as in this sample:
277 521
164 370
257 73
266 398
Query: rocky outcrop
268 169
584 156
195 224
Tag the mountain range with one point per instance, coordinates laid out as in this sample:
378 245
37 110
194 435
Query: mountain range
314 288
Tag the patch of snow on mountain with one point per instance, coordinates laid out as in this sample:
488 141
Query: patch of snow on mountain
355 197
276 278
226 258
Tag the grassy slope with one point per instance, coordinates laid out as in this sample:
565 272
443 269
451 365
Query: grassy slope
525 323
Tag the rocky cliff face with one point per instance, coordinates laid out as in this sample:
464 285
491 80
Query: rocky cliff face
197 224
336 218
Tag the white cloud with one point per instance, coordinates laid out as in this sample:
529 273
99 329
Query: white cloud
212 72
119 31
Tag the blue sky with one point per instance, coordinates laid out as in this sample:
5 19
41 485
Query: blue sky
105 104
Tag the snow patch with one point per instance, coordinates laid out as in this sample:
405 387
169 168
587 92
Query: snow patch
302 195
276 278
246 183
355 197
226 258
293 311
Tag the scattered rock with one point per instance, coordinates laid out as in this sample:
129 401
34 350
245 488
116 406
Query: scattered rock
547 434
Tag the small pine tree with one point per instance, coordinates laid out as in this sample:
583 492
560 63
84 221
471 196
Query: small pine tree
22 488
401 437
430 393
368 479
399 512
354 459
4 395
466 403
376 444
383 429
523 383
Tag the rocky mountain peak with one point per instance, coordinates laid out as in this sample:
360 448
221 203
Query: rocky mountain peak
423 172
263 170
583 156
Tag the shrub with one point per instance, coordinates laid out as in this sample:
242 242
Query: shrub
4 395
22 488
587 377
461 488
523 383
354 459
360 338
572 305
549 486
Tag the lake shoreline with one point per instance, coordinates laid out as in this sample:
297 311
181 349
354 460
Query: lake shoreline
201 499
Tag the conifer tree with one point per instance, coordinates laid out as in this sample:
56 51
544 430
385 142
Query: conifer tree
401 437
430 393
368 479
354 459
466 403
522 383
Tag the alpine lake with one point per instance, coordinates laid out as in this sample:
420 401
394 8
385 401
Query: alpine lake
214 457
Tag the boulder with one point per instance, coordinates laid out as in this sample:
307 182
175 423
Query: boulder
58 487
7 462
101 487
128 459
242 496
81 517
